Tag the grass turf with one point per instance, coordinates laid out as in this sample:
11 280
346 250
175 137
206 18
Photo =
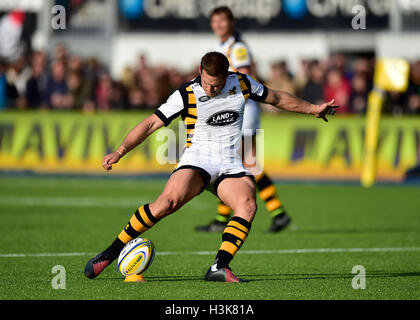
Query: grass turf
84 215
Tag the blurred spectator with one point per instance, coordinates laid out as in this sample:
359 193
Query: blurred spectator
303 75
413 92
281 78
57 94
74 83
366 67
150 85
80 91
162 85
3 85
191 74
128 78
61 54
136 99
75 63
92 69
337 87
363 66
17 75
103 92
313 89
175 79
359 93
339 62
80 84
394 103
37 82
118 97
8 92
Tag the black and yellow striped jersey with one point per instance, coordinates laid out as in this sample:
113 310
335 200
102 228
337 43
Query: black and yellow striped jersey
212 123
237 52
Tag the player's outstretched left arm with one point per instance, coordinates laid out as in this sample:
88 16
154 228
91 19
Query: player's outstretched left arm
289 102
136 136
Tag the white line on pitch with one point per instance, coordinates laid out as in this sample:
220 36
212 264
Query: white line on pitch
196 253
85 202
78 202
64 183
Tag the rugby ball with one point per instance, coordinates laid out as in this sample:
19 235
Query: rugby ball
136 256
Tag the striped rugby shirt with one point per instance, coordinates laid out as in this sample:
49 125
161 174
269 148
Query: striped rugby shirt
237 52
213 124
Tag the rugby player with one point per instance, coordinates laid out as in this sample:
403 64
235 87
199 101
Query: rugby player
212 107
231 44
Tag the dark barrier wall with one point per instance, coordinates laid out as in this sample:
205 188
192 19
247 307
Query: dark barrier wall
261 15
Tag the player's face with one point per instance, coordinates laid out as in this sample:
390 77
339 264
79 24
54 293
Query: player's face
221 25
211 85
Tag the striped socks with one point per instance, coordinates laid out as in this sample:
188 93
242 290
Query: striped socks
233 237
267 192
141 221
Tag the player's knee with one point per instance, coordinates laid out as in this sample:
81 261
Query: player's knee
166 204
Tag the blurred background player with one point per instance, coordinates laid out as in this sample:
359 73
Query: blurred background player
222 23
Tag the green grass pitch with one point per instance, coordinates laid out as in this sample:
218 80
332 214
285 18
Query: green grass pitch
45 217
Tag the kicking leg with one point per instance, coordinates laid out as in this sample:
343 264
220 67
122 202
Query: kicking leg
182 186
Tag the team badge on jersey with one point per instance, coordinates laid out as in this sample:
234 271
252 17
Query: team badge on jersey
204 98
223 118
240 54
232 91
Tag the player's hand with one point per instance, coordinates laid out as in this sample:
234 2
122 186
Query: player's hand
326 108
110 159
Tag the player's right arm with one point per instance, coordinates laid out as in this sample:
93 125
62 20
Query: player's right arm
135 137
162 117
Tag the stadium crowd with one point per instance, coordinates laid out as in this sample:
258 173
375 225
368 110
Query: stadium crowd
61 81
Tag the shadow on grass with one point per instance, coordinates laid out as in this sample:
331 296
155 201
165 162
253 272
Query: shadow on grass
161 278
356 230
323 276
283 276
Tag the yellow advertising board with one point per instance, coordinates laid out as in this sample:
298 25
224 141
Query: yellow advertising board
295 147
